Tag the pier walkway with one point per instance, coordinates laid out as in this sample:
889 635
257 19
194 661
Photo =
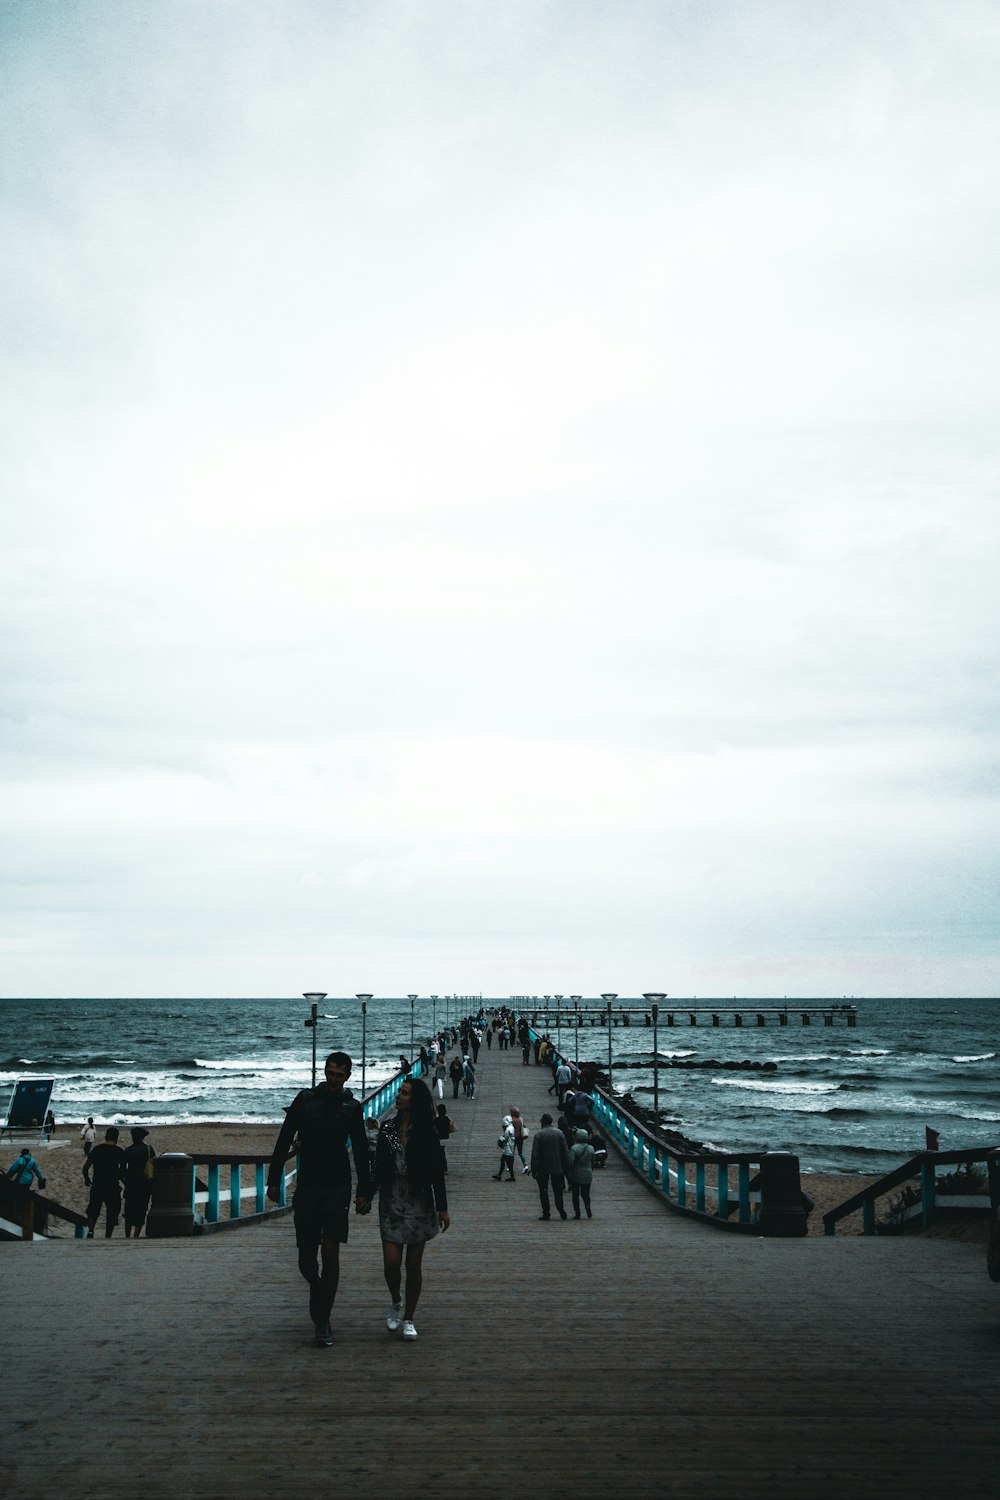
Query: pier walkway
634 1354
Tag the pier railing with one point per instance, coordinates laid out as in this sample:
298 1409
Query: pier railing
922 1168
235 1191
30 1212
751 1192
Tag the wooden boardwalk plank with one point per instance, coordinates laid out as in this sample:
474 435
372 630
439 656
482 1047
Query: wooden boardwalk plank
636 1352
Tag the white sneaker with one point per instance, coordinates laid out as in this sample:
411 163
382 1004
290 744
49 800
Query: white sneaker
409 1332
394 1316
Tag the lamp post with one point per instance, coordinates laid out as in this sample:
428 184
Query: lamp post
413 1000
315 996
434 1021
576 1009
654 1000
558 1000
608 998
364 1043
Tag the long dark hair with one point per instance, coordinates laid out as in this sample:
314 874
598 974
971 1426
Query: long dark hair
422 1144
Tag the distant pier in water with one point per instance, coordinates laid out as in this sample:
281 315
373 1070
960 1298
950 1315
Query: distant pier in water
689 1015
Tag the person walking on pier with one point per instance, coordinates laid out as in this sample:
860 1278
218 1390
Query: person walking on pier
457 1074
440 1074
470 1078
520 1133
103 1171
326 1119
444 1126
581 1172
550 1164
413 1202
507 1146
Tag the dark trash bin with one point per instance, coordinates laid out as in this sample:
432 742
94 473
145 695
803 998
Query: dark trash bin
782 1213
171 1212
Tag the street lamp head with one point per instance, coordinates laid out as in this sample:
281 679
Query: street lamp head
314 994
653 996
362 997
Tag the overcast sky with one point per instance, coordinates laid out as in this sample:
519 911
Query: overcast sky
500 497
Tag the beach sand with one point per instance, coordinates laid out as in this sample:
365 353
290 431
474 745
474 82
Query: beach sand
62 1164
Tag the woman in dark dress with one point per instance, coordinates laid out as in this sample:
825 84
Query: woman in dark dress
138 1186
413 1204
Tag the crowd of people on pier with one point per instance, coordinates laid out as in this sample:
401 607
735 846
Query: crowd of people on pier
403 1159
400 1161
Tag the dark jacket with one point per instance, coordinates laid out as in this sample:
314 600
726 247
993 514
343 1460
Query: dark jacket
549 1153
325 1123
425 1174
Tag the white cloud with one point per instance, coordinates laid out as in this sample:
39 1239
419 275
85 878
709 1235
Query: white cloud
499 487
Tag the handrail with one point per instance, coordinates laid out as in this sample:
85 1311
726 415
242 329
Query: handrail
30 1202
213 1196
923 1165
773 1206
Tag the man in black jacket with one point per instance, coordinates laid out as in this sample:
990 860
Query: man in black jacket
106 1165
326 1119
550 1163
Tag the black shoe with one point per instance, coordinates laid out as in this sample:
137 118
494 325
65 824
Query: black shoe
497 1176
576 1216
563 1214
589 1214
543 1216
324 1336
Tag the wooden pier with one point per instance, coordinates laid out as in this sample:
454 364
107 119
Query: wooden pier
634 1354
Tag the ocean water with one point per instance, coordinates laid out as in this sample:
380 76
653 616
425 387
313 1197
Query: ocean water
844 1099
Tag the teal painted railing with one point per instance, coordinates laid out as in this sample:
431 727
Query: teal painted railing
922 1168
233 1196
376 1103
221 1200
700 1185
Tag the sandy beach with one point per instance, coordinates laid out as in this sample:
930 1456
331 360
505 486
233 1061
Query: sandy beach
62 1160
62 1163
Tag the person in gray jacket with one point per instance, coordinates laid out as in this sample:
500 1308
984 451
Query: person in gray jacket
550 1163
581 1172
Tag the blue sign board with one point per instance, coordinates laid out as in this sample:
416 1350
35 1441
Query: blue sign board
29 1103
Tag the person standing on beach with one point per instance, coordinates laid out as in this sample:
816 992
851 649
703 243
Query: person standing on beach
413 1203
88 1135
139 1160
326 1120
103 1171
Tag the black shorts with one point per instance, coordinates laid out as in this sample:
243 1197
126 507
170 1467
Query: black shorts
101 1197
321 1214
